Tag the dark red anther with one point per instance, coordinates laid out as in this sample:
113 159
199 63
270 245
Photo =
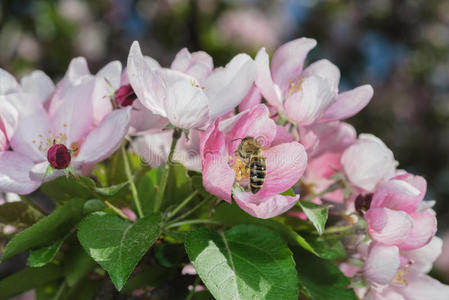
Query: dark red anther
125 95
363 203
59 156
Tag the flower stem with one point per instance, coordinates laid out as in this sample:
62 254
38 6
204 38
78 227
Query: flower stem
186 214
183 203
160 193
116 210
329 189
192 291
339 229
194 221
132 186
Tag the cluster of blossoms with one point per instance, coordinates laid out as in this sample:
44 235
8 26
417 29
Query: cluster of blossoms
199 115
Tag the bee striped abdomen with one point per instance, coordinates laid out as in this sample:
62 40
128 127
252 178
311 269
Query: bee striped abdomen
257 172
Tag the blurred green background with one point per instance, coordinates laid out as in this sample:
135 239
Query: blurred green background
400 47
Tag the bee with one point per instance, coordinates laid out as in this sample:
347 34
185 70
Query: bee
254 164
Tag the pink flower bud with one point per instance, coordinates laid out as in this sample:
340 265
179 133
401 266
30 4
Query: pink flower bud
59 156
125 95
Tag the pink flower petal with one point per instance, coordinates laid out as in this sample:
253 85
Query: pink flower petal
424 228
285 165
381 264
9 116
106 138
39 84
367 162
417 181
264 207
77 68
252 99
33 126
107 80
282 136
264 83
148 86
74 116
348 104
397 194
422 259
186 106
389 227
254 123
325 69
420 287
153 148
8 84
111 74
197 64
4 144
227 87
332 137
288 60
37 172
187 151
142 119
14 177
218 177
309 103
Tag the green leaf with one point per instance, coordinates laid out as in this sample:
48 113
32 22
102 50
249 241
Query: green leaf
116 244
93 205
147 187
179 185
111 190
76 264
100 174
317 214
197 184
169 255
246 262
18 213
151 276
85 289
65 188
232 215
47 291
327 248
321 279
46 230
289 192
28 279
116 171
44 255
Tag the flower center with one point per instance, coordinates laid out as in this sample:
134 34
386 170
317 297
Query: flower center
49 139
59 156
399 278
363 203
295 85
125 95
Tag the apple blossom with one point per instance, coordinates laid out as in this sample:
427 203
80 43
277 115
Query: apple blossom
183 99
393 217
40 139
36 83
325 144
367 162
306 95
285 163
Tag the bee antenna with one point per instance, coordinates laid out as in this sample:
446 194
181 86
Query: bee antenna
237 139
